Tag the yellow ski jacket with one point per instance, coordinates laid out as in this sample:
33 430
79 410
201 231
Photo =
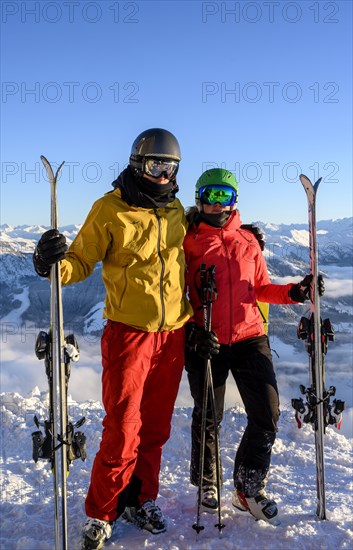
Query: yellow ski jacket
143 262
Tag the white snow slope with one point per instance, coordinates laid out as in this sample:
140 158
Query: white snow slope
27 497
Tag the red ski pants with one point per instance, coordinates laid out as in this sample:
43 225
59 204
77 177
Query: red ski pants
140 382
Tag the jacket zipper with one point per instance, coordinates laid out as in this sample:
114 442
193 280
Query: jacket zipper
230 287
162 270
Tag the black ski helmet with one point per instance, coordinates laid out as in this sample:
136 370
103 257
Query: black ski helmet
155 142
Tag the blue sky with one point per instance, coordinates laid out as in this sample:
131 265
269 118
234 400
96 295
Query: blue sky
261 88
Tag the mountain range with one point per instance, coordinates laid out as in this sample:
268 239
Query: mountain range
24 297
24 310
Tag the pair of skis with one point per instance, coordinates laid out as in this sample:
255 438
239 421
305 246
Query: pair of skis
60 443
317 410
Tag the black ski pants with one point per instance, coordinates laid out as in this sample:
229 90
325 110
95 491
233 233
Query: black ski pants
250 362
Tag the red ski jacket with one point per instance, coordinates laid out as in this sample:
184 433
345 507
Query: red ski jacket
241 278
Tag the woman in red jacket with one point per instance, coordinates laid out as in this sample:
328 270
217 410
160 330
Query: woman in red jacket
238 342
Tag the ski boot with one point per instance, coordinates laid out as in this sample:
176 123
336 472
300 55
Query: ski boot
260 507
209 499
95 533
236 502
149 517
250 492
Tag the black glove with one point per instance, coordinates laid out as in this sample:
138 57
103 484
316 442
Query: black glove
51 248
301 291
256 231
203 342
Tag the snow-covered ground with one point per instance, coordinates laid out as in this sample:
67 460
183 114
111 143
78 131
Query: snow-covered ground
27 503
26 512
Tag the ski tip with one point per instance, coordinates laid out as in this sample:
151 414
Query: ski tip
49 169
317 183
304 179
44 159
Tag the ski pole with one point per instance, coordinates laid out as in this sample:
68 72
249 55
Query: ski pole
210 285
208 293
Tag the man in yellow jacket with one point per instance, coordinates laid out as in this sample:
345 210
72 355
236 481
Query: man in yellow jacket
137 232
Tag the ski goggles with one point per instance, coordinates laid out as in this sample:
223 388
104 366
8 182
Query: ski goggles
160 167
222 194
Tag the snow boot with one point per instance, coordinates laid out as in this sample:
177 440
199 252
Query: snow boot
260 507
209 499
149 517
95 533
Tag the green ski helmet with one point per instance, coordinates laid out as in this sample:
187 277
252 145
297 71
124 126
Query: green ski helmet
214 177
